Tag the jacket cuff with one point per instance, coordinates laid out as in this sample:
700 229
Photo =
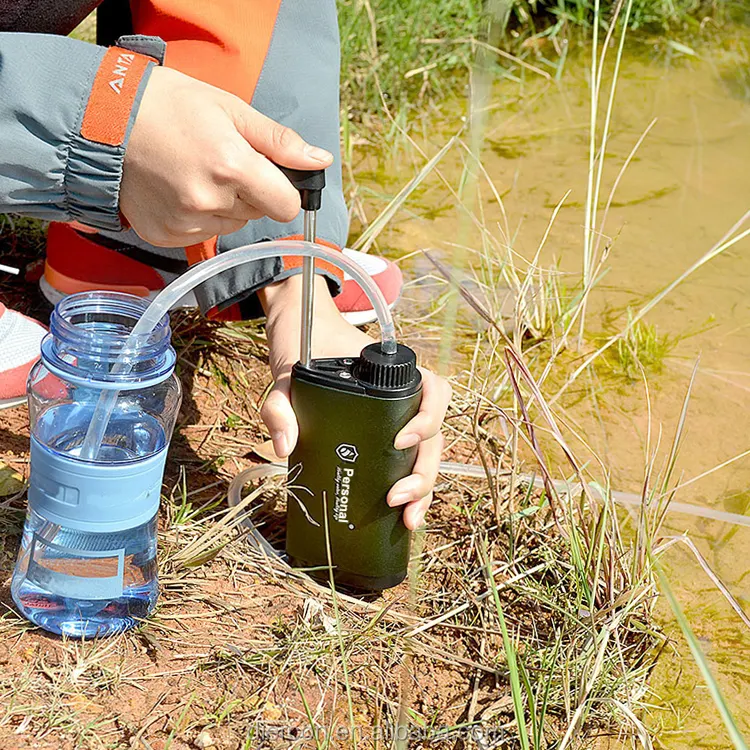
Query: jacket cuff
94 166
92 184
293 263
239 286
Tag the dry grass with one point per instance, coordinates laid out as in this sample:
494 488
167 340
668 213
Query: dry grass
527 620
240 647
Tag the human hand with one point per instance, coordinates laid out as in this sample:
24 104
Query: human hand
197 163
334 337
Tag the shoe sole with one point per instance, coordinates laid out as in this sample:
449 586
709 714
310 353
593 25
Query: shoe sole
9 403
362 317
49 292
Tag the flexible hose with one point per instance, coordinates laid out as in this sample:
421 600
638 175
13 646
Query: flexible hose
174 292
627 499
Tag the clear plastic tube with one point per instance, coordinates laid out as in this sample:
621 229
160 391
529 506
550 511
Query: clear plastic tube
173 293
627 499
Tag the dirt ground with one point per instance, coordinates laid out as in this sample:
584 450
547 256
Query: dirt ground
243 652
240 652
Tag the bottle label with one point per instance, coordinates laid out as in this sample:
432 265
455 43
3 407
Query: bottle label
75 573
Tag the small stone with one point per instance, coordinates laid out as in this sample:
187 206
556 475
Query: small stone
204 740
11 482
272 712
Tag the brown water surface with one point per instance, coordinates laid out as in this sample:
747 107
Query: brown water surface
689 183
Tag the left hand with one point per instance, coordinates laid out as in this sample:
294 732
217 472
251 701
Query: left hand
334 337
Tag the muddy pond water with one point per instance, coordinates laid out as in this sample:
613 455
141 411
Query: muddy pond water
689 183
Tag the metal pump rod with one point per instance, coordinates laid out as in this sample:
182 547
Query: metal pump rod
310 184
308 292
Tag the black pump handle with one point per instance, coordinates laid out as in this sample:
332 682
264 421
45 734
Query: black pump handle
309 182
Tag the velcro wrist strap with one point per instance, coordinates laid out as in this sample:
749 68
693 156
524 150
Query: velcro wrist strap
116 87
151 46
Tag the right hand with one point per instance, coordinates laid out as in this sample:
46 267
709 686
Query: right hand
338 338
198 163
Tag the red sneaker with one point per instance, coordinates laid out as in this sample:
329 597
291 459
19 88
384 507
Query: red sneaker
77 264
20 339
353 303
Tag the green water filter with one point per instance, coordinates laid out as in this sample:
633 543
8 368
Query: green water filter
349 411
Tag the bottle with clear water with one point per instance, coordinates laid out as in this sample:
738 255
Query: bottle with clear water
87 563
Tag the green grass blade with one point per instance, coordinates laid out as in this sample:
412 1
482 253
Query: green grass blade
700 659
510 655
339 631
724 244
365 240
308 714
536 722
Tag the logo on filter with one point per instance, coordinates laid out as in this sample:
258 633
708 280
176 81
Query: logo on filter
342 482
347 452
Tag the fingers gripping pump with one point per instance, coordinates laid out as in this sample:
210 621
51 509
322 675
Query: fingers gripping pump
349 411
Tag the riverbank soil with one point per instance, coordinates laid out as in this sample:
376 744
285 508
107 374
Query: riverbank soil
236 645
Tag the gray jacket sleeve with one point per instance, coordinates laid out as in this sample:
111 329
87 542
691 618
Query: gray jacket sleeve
48 170
298 87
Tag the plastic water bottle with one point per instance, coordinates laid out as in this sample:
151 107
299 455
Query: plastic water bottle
87 562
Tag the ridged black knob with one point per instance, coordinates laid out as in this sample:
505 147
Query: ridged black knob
387 371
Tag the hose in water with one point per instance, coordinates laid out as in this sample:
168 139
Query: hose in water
626 499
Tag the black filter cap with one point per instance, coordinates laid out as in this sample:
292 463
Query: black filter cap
309 182
387 371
